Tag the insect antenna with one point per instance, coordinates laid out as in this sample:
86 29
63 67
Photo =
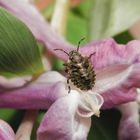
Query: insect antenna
80 43
91 55
62 51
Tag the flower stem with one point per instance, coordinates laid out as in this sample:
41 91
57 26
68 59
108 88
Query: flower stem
25 128
59 18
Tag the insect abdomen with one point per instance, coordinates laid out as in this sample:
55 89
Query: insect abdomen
82 74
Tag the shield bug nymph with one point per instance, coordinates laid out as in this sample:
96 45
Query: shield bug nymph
79 69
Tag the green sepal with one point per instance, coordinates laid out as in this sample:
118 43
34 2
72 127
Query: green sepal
19 53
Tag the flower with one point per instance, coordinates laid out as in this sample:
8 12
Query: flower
50 91
117 68
129 127
6 132
108 52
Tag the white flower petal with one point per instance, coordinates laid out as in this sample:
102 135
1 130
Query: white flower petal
67 124
13 82
90 104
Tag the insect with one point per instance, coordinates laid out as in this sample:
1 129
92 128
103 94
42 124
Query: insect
79 69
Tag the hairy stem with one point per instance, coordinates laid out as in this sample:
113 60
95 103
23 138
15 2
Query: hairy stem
25 128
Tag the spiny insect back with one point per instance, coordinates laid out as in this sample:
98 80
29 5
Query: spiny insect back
79 69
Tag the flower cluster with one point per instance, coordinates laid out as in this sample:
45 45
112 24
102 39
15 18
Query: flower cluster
69 115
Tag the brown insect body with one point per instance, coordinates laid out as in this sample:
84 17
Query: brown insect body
80 71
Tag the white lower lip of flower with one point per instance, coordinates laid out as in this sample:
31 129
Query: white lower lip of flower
89 103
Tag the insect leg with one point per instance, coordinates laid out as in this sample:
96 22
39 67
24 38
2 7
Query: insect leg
66 65
91 55
68 85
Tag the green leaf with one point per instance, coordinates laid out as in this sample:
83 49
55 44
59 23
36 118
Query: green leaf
76 28
39 118
78 21
111 17
123 38
19 53
7 114
83 9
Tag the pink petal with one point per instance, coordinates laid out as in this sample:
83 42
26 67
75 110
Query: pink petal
129 128
39 94
61 121
112 76
108 52
118 84
37 24
119 96
6 132
6 83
